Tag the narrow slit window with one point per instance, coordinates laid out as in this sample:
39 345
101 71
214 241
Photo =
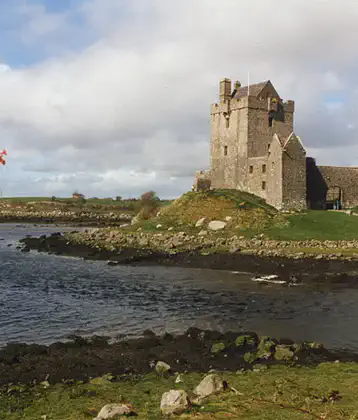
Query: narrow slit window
263 169
251 169
270 121
273 165
263 185
225 150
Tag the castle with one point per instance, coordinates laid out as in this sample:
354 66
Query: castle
254 148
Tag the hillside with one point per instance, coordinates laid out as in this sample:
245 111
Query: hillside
242 211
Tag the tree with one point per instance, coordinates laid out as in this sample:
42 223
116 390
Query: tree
149 204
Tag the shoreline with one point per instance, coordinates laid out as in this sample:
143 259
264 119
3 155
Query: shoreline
290 270
193 351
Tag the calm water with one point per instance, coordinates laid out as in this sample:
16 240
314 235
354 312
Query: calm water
46 298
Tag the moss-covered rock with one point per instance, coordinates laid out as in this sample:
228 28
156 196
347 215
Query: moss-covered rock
245 340
217 348
250 357
283 352
313 345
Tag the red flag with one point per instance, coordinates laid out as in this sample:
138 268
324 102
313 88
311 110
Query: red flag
2 160
3 152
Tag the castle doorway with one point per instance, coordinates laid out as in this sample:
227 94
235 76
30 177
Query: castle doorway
334 198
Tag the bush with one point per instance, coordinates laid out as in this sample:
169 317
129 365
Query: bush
149 202
118 198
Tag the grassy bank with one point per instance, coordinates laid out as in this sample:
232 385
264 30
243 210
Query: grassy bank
278 393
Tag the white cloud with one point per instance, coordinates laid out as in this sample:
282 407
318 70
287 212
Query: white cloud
136 101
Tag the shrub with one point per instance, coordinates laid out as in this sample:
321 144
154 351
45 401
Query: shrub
149 202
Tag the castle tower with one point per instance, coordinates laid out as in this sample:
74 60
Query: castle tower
242 131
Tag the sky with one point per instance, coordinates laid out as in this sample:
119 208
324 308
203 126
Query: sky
112 97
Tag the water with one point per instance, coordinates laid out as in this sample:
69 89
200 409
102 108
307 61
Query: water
46 298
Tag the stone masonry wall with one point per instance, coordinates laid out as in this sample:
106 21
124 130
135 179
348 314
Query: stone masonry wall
344 177
294 175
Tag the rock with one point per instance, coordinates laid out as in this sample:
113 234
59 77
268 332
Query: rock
162 367
266 348
228 218
111 411
202 233
171 228
211 384
175 401
217 348
200 222
244 340
283 352
216 225
250 357
179 379
159 226
313 345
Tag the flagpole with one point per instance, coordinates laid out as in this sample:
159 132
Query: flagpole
248 83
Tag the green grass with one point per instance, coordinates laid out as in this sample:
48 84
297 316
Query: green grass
279 393
316 224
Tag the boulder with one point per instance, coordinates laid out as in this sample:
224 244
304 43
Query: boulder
250 357
162 367
111 411
202 233
283 352
200 222
211 384
245 340
228 218
217 348
175 401
216 225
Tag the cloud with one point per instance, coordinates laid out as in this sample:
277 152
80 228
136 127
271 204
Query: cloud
133 95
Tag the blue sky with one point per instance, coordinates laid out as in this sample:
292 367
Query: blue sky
111 97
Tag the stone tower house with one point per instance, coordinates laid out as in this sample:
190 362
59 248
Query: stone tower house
253 147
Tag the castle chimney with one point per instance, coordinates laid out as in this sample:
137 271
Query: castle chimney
225 90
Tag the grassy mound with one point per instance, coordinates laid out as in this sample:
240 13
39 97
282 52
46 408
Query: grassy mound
245 210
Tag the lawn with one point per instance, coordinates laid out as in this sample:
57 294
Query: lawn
278 393
316 224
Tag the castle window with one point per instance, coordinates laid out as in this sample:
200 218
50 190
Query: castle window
263 169
225 150
270 121
263 185
251 169
273 165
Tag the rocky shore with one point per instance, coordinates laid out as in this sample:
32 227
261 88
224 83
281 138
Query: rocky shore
87 218
194 351
123 248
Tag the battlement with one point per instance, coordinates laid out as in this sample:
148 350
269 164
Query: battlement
289 106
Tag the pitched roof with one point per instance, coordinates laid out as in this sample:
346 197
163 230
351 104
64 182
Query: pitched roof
255 89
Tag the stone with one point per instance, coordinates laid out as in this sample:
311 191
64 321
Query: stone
111 411
211 384
171 228
250 357
200 222
175 401
216 225
159 226
243 340
313 345
283 352
162 367
217 348
202 233
179 379
228 219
